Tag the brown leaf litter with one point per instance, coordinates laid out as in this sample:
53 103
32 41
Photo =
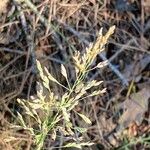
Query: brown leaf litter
3 6
134 109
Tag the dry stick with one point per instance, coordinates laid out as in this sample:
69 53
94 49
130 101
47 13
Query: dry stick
31 47
129 48
18 51
34 9
11 62
125 46
8 24
15 75
29 39
46 23
30 86
116 71
15 93
5 49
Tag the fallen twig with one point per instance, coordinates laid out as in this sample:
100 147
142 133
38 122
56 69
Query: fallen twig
29 39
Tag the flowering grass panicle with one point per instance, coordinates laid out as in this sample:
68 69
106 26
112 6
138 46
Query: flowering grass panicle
50 114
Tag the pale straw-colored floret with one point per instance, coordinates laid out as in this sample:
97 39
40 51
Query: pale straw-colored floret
83 62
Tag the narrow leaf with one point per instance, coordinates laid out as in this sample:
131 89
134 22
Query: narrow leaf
81 130
73 145
86 119
21 120
66 114
50 76
63 71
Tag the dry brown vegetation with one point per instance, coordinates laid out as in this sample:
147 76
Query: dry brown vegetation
121 116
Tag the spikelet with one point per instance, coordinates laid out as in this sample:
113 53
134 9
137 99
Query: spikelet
83 62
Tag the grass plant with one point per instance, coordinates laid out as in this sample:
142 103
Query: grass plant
47 113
